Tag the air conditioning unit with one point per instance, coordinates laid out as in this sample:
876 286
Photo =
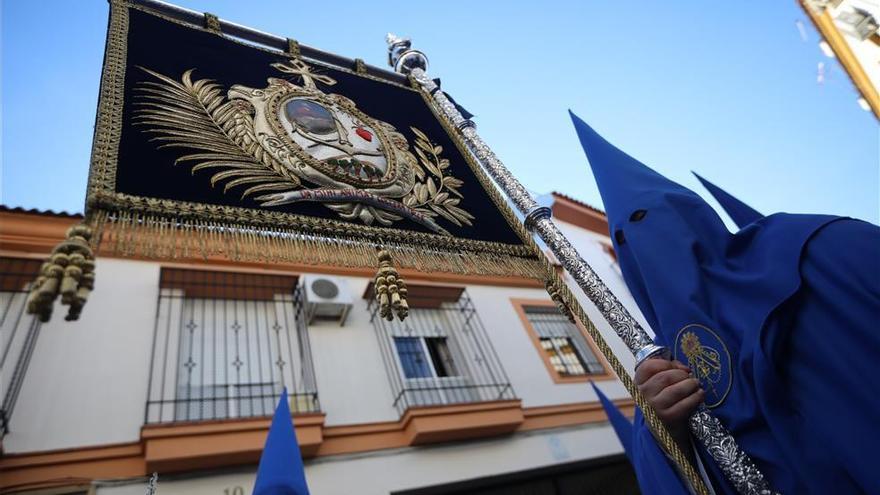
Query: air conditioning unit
327 298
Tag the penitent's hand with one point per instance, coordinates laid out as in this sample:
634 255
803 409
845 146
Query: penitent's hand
669 387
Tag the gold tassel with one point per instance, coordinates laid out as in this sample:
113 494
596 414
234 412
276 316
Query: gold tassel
69 271
390 289
553 291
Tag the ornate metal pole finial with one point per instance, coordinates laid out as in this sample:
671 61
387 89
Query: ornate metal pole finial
402 57
737 466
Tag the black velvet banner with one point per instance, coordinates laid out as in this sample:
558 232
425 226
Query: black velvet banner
330 158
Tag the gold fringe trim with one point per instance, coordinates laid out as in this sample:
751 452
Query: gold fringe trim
132 234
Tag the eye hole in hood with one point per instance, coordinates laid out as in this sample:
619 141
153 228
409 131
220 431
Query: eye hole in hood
638 215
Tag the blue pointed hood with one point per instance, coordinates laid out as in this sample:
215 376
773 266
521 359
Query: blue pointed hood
705 292
654 223
281 470
741 213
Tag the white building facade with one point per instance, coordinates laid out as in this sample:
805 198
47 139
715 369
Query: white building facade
175 367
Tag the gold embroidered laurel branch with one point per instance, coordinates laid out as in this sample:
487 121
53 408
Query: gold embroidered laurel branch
196 116
435 198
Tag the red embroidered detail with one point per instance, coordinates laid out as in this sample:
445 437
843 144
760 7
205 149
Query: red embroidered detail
364 134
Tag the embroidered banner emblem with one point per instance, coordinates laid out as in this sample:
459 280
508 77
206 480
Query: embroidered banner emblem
271 140
705 354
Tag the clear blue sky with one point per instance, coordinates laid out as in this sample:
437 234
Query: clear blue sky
724 88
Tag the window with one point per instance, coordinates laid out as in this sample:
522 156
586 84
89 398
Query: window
563 356
441 357
566 352
226 344
425 357
18 330
562 342
440 354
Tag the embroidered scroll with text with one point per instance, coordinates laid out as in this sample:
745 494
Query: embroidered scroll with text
206 146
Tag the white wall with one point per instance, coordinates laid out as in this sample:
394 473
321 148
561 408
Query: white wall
524 365
352 384
87 380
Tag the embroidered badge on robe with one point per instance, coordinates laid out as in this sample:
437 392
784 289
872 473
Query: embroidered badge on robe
699 348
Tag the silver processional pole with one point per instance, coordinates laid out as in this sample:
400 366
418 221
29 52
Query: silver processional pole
737 466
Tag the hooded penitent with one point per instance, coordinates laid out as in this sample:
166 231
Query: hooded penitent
741 213
281 469
777 321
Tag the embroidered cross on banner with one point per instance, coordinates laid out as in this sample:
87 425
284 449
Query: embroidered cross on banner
299 68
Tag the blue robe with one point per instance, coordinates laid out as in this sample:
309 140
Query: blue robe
813 423
778 321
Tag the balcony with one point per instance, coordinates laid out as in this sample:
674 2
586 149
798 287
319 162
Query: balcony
225 345
18 330
446 378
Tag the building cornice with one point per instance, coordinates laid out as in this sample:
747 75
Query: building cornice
580 214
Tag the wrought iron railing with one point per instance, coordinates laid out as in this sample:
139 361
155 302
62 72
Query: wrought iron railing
18 330
440 355
224 346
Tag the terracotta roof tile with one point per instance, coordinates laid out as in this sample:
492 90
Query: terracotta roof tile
35 211
577 201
